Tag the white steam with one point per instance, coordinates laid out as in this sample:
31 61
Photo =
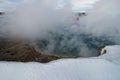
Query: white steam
44 19
33 20
103 19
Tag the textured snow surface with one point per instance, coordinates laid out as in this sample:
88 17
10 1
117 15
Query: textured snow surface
105 67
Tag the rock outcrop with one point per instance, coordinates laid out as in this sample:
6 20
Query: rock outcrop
22 51
1 13
100 49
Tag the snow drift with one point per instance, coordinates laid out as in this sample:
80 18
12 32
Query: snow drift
105 67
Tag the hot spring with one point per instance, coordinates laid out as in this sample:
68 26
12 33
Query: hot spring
57 30
67 43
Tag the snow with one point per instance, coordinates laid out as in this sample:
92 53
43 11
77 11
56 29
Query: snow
104 67
113 54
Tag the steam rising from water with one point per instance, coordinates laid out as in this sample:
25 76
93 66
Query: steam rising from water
56 30
103 20
34 20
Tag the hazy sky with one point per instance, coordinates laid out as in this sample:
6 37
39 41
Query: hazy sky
83 4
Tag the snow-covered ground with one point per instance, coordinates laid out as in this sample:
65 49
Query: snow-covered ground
105 67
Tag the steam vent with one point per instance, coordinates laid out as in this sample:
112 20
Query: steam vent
57 45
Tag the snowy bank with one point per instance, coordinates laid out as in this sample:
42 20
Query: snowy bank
105 67
112 55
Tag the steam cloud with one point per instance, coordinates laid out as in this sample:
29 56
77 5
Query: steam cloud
103 20
33 20
59 32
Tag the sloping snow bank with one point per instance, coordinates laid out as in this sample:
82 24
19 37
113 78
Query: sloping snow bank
112 55
105 67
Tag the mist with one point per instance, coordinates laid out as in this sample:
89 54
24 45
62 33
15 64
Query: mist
56 30
103 20
30 20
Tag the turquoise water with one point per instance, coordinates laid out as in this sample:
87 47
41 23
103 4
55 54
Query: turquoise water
73 44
